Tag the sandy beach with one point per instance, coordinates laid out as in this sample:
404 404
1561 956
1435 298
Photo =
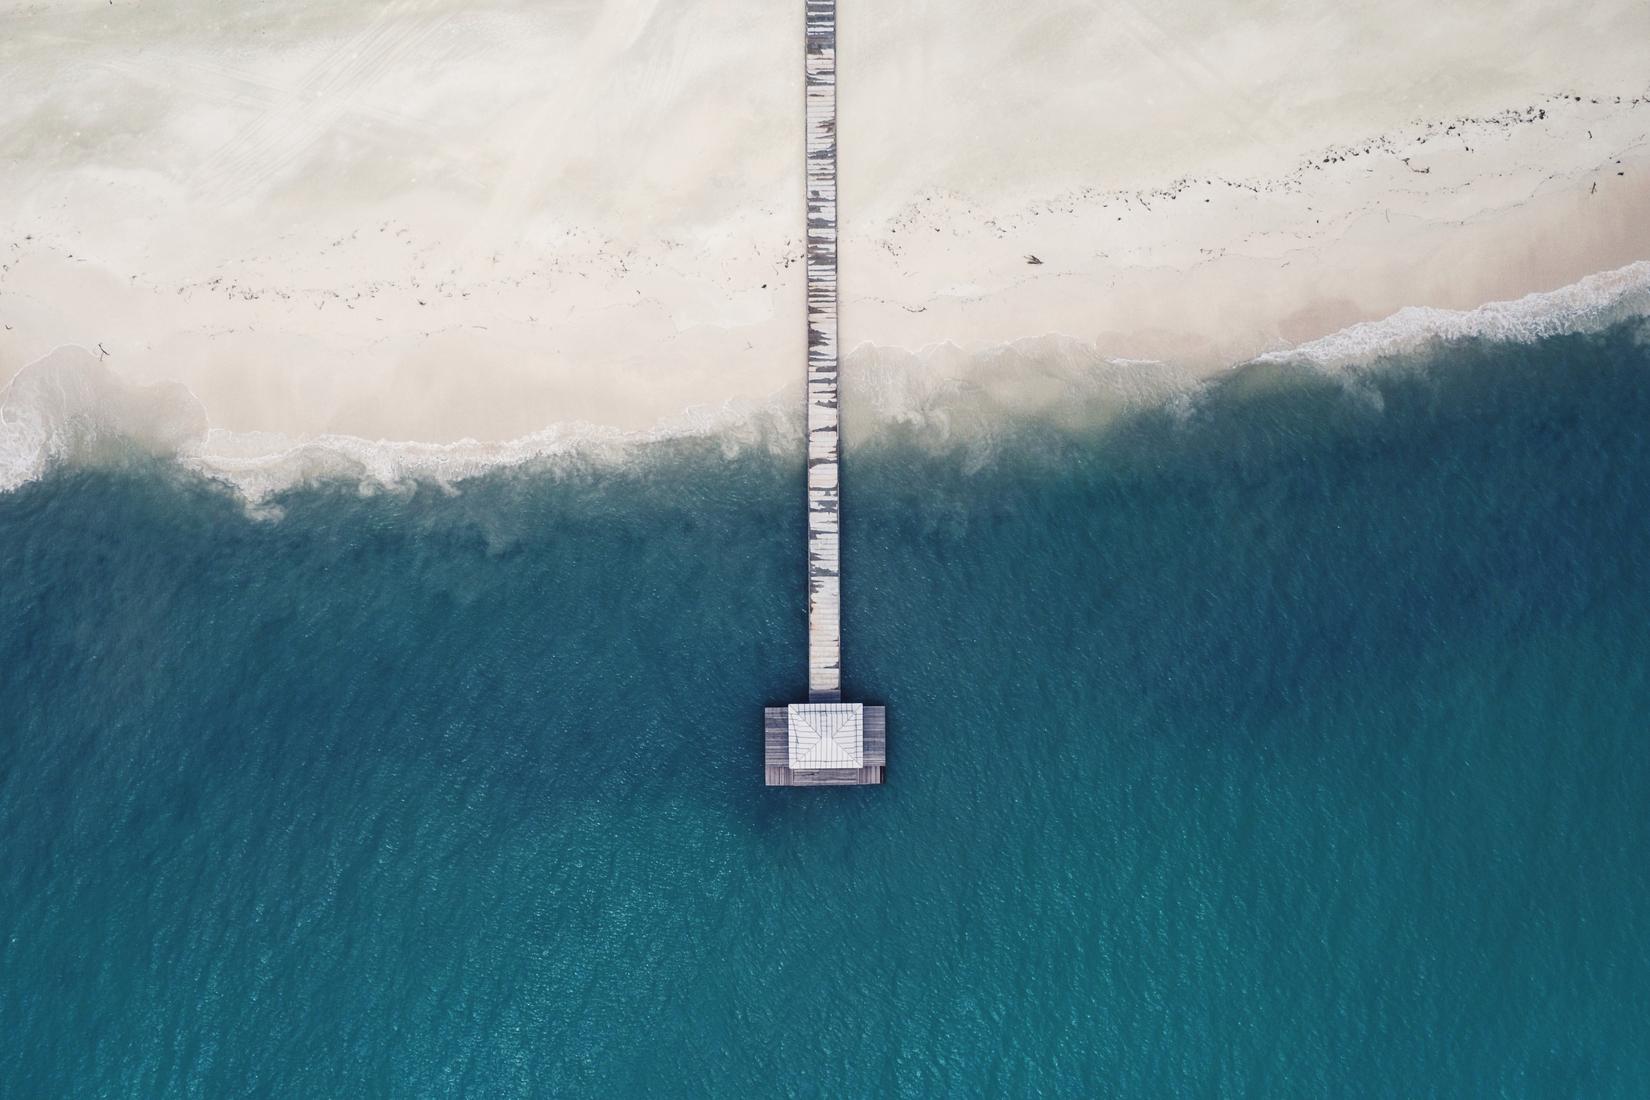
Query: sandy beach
426 221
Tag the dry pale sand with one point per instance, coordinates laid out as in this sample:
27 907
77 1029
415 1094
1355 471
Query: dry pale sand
431 220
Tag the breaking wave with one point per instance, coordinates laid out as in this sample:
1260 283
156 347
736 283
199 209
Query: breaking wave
68 407
1591 305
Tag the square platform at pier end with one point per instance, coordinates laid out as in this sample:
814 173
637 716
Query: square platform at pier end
824 745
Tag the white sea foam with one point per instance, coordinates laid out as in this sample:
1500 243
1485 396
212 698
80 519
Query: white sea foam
69 407
1590 305
260 465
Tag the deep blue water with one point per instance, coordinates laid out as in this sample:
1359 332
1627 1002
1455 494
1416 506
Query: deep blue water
1292 746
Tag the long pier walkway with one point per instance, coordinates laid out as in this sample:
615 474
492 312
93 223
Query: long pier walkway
823 742
824 482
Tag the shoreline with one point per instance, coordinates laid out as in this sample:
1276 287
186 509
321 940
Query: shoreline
70 407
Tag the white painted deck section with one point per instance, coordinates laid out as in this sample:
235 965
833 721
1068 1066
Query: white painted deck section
826 735
824 500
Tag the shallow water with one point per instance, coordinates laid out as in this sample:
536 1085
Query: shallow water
1285 741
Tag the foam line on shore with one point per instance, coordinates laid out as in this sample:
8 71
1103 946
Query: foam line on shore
1589 305
69 407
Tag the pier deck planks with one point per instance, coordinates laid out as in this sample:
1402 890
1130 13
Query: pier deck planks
776 771
824 500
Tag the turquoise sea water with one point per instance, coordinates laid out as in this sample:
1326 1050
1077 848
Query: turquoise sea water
1291 741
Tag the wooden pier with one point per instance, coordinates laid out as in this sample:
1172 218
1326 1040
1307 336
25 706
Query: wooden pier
823 742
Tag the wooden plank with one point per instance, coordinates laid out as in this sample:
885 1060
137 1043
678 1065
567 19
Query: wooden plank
875 725
775 737
785 777
851 777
